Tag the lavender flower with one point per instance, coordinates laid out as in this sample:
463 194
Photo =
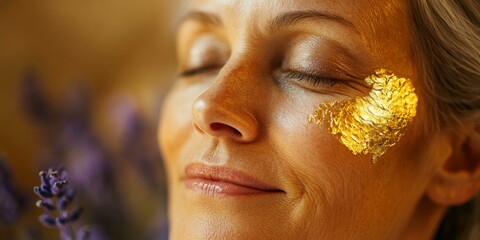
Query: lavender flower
135 134
11 201
55 199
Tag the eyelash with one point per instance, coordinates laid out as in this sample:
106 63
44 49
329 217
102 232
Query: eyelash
197 71
314 80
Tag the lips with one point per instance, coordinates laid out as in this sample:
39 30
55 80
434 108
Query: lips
224 181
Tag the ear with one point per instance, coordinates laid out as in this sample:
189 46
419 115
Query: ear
457 179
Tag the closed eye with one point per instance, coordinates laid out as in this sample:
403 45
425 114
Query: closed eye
314 80
197 71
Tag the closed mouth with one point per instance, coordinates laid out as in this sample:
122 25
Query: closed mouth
224 181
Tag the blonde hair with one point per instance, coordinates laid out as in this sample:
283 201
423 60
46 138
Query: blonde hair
446 47
446 37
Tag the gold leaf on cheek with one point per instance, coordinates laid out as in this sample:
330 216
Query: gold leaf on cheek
374 123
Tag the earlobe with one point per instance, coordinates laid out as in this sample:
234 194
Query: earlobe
458 178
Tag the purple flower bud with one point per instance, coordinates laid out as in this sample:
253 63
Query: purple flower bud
53 177
75 214
44 180
63 203
46 205
58 187
42 193
48 221
66 198
45 188
62 221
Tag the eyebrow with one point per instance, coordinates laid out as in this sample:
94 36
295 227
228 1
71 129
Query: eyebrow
203 17
290 19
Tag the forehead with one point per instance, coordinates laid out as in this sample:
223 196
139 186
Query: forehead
364 13
382 27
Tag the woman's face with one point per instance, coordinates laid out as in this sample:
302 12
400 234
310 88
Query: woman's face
242 160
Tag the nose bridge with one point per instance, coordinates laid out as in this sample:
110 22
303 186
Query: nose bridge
228 107
238 79
238 83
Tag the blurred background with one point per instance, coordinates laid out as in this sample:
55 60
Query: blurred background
81 86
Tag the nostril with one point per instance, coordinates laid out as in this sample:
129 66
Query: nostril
224 127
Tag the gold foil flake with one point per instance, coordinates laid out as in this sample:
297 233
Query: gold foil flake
373 123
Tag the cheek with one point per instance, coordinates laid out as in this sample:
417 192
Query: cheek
310 151
176 124
329 182
326 169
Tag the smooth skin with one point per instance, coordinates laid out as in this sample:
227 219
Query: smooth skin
250 73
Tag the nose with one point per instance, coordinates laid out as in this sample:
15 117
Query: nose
226 111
